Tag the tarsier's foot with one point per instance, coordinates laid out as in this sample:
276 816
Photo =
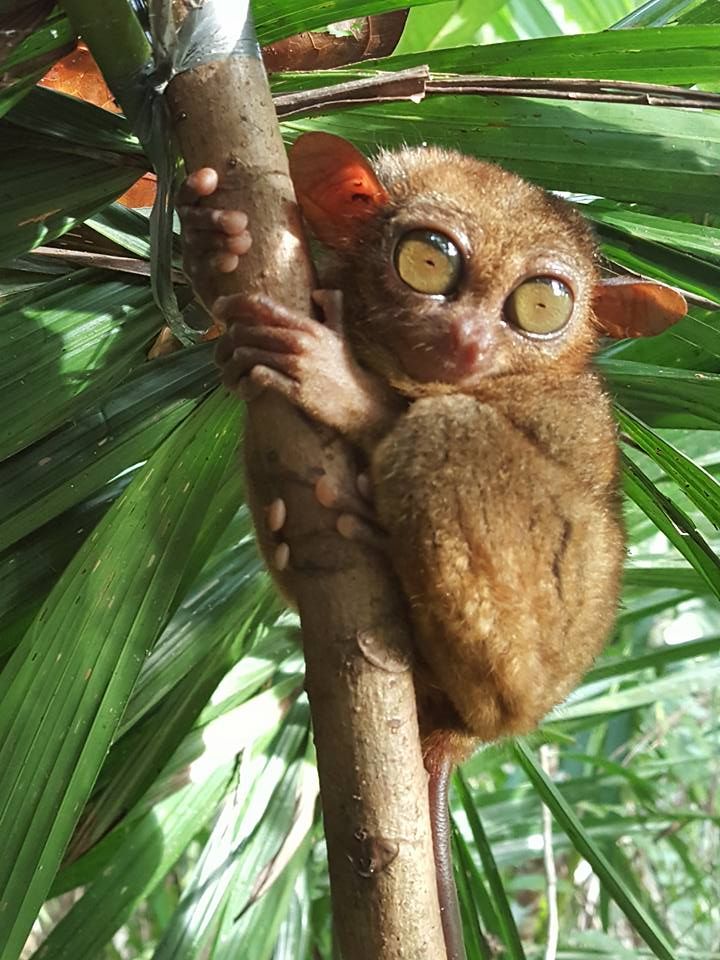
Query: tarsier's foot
275 517
213 240
355 521
356 518
267 346
335 496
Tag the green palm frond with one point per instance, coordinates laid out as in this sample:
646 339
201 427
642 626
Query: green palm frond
154 737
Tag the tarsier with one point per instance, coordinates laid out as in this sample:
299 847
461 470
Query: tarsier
461 370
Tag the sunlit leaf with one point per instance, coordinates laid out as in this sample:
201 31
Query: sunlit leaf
51 759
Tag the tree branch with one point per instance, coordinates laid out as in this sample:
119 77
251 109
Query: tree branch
408 84
356 640
417 82
102 261
575 88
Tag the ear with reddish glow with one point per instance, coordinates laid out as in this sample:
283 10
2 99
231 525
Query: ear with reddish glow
626 307
335 186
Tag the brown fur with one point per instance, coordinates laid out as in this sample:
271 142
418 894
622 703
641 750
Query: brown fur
509 555
500 497
492 452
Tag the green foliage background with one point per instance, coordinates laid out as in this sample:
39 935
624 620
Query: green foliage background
157 783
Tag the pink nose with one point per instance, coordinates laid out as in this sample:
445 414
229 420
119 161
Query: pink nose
468 341
462 349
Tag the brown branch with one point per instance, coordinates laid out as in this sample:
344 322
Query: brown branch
103 261
359 680
592 84
416 82
575 88
402 85
314 50
695 300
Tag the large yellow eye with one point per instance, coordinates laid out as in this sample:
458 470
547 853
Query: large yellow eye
429 262
541 305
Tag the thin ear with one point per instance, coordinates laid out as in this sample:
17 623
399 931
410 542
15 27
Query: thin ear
626 307
335 186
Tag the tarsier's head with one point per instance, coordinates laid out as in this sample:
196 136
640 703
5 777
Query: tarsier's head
455 270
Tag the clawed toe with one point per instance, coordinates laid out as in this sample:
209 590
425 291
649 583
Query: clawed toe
352 527
355 520
275 517
335 497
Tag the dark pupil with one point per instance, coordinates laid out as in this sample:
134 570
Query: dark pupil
428 262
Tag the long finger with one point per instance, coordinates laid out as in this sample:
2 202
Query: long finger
272 339
262 378
212 220
258 310
352 527
198 266
198 242
200 183
331 304
245 359
330 494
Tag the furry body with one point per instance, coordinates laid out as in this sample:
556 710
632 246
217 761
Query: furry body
463 373
508 546
500 493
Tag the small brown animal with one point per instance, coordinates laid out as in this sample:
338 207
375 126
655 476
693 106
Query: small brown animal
462 367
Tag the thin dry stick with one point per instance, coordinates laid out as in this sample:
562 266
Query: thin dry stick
102 261
416 82
381 88
553 932
576 88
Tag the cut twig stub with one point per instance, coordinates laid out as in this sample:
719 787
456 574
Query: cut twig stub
374 854
377 652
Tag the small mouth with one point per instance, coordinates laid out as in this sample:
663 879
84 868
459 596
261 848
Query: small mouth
451 358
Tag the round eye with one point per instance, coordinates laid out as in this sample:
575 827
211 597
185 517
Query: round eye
541 305
429 262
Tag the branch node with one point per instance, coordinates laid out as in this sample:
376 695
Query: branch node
375 855
379 654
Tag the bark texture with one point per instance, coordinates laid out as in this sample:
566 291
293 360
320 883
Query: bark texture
359 676
377 37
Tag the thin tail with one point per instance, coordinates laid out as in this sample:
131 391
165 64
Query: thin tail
439 766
